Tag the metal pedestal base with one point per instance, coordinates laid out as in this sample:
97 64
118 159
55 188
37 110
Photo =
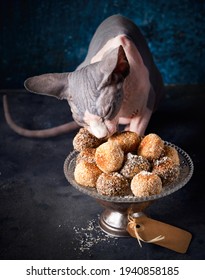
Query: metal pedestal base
114 218
114 223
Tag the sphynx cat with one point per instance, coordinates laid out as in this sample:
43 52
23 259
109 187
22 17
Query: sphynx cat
117 83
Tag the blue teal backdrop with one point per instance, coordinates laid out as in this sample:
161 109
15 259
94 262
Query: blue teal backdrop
53 36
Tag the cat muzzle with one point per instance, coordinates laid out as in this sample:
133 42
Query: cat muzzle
102 129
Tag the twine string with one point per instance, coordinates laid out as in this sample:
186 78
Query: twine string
133 224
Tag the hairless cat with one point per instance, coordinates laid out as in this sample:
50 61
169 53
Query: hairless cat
117 83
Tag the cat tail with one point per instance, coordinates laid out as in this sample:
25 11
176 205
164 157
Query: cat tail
42 133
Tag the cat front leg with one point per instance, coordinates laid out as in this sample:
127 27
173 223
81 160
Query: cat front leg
138 123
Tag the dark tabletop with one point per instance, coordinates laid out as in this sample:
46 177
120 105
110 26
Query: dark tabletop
43 217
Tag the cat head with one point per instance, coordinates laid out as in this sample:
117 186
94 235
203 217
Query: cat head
94 92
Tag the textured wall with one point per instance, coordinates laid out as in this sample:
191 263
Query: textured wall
53 36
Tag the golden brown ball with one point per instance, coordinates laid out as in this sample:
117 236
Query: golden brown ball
151 147
145 184
109 157
127 140
86 173
171 153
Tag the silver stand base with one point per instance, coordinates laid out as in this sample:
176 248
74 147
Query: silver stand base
114 223
114 218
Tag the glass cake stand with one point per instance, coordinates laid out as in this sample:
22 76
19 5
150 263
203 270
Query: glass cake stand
114 218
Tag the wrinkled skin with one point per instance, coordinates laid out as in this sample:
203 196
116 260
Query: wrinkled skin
94 92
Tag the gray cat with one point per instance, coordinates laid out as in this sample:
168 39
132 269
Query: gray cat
117 83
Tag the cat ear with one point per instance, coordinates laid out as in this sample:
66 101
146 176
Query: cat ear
54 84
115 64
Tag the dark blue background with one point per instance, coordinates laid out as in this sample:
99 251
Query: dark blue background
53 36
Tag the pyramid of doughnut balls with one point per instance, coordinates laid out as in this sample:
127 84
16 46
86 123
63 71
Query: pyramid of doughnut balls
125 164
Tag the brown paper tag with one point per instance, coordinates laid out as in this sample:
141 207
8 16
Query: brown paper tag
152 231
